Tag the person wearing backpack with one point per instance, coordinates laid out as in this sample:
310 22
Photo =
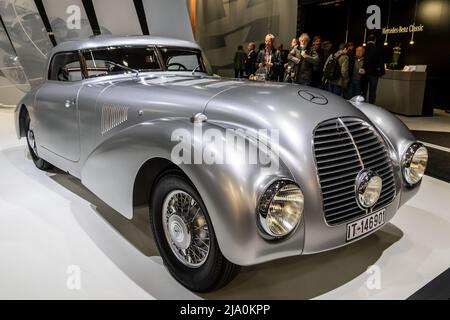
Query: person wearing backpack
336 70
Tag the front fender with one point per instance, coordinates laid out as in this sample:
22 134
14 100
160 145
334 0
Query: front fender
399 136
229 191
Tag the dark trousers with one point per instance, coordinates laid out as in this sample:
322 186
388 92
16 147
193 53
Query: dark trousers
370 84
317 79
335 89
354 89
239 74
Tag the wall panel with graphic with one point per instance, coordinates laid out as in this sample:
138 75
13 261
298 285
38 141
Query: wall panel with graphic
29 39
13 81
31 28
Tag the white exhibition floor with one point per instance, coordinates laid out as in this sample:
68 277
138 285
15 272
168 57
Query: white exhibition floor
50 222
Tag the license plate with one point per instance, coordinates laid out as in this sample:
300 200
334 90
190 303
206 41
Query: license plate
365 225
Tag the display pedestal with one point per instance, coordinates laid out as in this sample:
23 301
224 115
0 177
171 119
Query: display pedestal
402 92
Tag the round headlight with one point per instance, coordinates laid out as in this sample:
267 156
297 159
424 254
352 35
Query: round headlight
281 209
415 163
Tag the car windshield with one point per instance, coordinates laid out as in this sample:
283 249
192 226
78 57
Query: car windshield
113 60
130 59
184 59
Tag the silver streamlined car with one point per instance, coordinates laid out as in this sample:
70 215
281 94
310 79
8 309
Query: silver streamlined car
107 112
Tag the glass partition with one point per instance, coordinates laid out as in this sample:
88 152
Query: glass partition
68 19
29 38
13 81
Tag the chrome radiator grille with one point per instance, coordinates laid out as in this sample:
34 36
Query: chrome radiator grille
343 147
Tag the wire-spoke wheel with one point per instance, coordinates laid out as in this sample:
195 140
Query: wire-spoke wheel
185 236
186 229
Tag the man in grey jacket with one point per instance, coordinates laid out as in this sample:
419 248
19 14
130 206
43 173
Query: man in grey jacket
340 84
304 59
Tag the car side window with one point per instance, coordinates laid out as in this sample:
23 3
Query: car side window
65 67
184 59
117 60
183 62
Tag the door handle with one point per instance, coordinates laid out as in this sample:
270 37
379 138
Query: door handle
69 103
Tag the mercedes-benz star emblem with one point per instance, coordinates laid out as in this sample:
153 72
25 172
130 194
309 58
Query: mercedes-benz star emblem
313 97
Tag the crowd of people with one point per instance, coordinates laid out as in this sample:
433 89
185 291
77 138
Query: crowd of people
347 72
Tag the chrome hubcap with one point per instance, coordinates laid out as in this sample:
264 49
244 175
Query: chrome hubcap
179 232
186 229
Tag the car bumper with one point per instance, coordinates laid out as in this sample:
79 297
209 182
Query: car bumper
321 237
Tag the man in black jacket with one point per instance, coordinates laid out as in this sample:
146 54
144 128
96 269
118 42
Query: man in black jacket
374 68
250 63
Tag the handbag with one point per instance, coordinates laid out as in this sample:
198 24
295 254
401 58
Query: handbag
262 74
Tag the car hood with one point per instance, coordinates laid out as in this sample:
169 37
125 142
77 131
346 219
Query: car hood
292 109
254 101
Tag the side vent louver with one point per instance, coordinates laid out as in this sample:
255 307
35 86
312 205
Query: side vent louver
113 116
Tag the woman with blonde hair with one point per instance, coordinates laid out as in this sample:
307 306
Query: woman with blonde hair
270 58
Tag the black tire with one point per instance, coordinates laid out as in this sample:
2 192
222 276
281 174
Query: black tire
217 271
41 164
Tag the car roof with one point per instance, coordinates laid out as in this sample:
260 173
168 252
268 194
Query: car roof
107 41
